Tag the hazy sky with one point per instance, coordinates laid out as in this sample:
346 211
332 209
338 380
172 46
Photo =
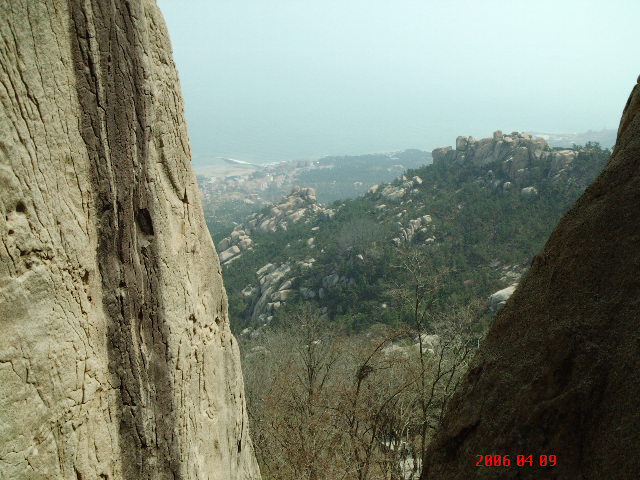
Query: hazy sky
267 80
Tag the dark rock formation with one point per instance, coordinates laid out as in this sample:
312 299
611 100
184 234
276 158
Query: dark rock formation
558 371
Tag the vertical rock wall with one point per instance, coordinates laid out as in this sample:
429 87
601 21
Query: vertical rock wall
116 359
558 371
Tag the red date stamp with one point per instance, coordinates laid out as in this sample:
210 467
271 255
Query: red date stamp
516 460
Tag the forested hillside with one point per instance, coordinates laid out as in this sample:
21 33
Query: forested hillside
473 220
357 320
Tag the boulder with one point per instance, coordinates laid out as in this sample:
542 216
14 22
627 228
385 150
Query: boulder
518 159
274 276
224 244
281 295
561 160
236 234
499 298
268 268
296 215
229 254
429 342
484 151
245 243
393 193
249 291
537 147
307 293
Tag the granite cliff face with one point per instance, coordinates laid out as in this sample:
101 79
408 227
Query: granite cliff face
116 359
557 372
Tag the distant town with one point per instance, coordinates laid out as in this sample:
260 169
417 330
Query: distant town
256 181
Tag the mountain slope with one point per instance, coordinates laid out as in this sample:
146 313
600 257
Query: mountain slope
480 212
556 373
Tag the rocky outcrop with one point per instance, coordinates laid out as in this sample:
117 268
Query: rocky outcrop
116 359
277 284
520 147
395 192
272 289
520 156
556 373
407 232
529 192
498 299
301 203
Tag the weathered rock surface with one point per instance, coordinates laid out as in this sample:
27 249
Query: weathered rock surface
276 284
557 373
116 359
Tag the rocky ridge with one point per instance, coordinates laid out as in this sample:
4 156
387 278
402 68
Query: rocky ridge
400 193
438 210
521 156
301 203
422 225
276 284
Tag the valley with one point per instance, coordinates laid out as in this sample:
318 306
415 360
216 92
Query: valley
175 307
358 318
481 212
